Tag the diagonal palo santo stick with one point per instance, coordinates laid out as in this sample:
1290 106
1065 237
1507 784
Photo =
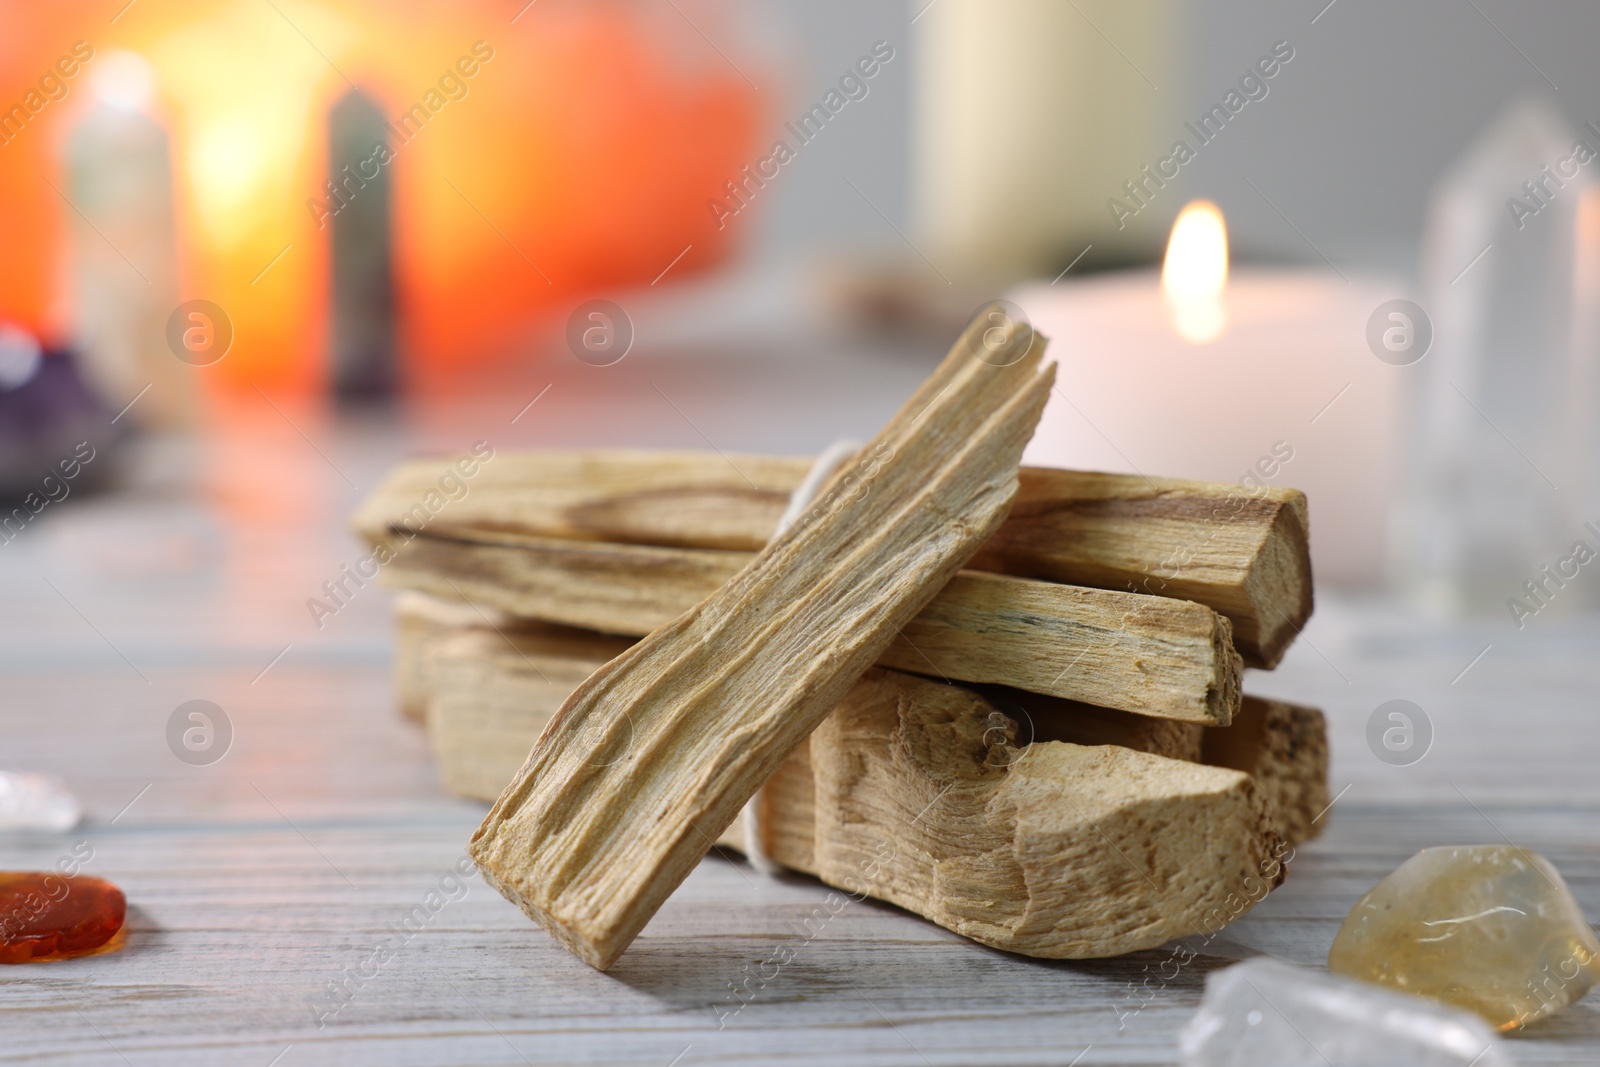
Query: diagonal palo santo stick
1242 552
1167 658
653 756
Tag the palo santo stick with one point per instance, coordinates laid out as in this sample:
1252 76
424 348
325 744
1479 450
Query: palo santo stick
1243 552
492 693
1240 551
1057 850
682 499
1152 655
656 752
1168 658
911 792
489 697
1285 748
419 620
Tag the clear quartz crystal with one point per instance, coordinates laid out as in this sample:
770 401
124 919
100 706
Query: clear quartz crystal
1503 408
37 802
1266 1013
1490 928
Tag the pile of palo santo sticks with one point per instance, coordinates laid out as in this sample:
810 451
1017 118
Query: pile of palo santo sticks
1024 724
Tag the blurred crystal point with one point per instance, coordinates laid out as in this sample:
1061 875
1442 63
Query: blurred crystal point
36 802
1265 1013
1490 928
1511 272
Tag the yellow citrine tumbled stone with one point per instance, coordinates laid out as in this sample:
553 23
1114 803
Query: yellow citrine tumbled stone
1490 928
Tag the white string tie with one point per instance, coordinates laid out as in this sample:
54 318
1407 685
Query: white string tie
805 494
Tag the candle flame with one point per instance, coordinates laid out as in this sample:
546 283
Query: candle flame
1194 274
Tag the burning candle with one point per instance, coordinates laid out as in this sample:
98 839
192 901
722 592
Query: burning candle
1194 275
1256 376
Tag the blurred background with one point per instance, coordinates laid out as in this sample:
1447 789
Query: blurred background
254 251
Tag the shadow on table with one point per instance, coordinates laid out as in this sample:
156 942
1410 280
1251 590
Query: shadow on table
818 963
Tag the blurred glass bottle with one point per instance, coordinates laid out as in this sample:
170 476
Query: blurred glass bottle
123 263
361 320
1502 412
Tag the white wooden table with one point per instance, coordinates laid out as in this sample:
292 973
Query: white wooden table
257 880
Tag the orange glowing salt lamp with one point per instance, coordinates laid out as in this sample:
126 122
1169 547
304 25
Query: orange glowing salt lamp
579 152
41 79
239 99
582 156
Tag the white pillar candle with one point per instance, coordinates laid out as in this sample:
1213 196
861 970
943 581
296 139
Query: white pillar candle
1028 112
1288 393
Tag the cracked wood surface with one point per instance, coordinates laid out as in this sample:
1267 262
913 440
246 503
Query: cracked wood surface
488 695
932 789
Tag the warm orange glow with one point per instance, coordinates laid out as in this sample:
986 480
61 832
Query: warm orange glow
535 180
558 177
1194 274
252 114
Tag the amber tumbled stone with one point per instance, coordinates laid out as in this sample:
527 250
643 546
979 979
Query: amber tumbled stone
1490 928
45 915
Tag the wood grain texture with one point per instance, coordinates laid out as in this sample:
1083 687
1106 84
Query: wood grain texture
494 697
627 590
418 620
1285 748
656 752
921 800
682 499
491 695
1046 718
1153 655
915 792
1242 551
1169 658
